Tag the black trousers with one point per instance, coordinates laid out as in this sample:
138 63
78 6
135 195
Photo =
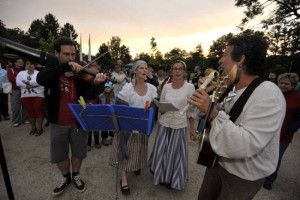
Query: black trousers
3 105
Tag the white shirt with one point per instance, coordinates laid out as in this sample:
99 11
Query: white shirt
249 148
129 95
120 78
178 97
32 92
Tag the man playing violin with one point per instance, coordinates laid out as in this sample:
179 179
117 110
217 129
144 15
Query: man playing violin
65 131
247 148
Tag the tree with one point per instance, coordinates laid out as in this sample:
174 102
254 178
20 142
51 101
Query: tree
105 61
2 29
143 56
117 51
67 29
125 54
50 24
114 47
48 43
285 14
35 29
176 54
153 45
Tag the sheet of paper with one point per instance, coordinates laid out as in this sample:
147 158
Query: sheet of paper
165 106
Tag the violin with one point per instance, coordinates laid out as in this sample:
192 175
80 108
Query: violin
88 73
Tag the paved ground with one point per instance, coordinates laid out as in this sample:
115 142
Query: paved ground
33 177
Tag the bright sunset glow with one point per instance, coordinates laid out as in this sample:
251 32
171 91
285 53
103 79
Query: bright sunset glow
176 23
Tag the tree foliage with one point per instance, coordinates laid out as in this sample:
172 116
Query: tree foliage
283 20
47 44
67 29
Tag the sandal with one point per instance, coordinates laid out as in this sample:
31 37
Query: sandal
125 189
39 132
33 131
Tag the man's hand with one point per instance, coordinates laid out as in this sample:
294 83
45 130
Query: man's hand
100 78
200 99
75 66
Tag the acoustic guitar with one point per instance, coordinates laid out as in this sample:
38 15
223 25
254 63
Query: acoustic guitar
206 156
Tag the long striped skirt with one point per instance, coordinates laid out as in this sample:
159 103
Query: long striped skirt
136 149
169 158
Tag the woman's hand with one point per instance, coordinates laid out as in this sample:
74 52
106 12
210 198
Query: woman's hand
193 135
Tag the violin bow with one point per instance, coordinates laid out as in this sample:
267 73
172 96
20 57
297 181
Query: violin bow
94 60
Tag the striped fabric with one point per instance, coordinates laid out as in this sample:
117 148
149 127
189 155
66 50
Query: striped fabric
169 158
137 149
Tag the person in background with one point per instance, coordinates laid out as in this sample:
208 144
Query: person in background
3 97
135 154
291 123
19 114
32 95
150 78
107 97
272 77
297 88
9 65
198 75
65 131
169 158
247 147
118 78
161 78
95 133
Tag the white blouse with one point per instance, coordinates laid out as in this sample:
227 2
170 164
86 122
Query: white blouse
38 91
178 97
248 148
129 95
120 78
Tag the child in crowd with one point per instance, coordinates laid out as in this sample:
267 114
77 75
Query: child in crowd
107 97
96 133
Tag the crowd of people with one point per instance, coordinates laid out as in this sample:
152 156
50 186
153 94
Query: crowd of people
249 148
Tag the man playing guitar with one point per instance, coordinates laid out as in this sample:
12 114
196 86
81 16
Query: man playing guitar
247 147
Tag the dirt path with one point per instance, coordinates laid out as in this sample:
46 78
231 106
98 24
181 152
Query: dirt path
34 178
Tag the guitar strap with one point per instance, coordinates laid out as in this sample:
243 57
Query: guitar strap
240 103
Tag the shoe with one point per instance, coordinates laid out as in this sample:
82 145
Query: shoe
33 131
267 186
89 148
105 142
6 118
125 189
79 184
26 122
98 146
16 124
137 172
62 186
39 132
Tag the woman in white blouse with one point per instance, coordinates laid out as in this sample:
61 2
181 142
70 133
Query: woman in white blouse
135 145
32 96
169 158
118 78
